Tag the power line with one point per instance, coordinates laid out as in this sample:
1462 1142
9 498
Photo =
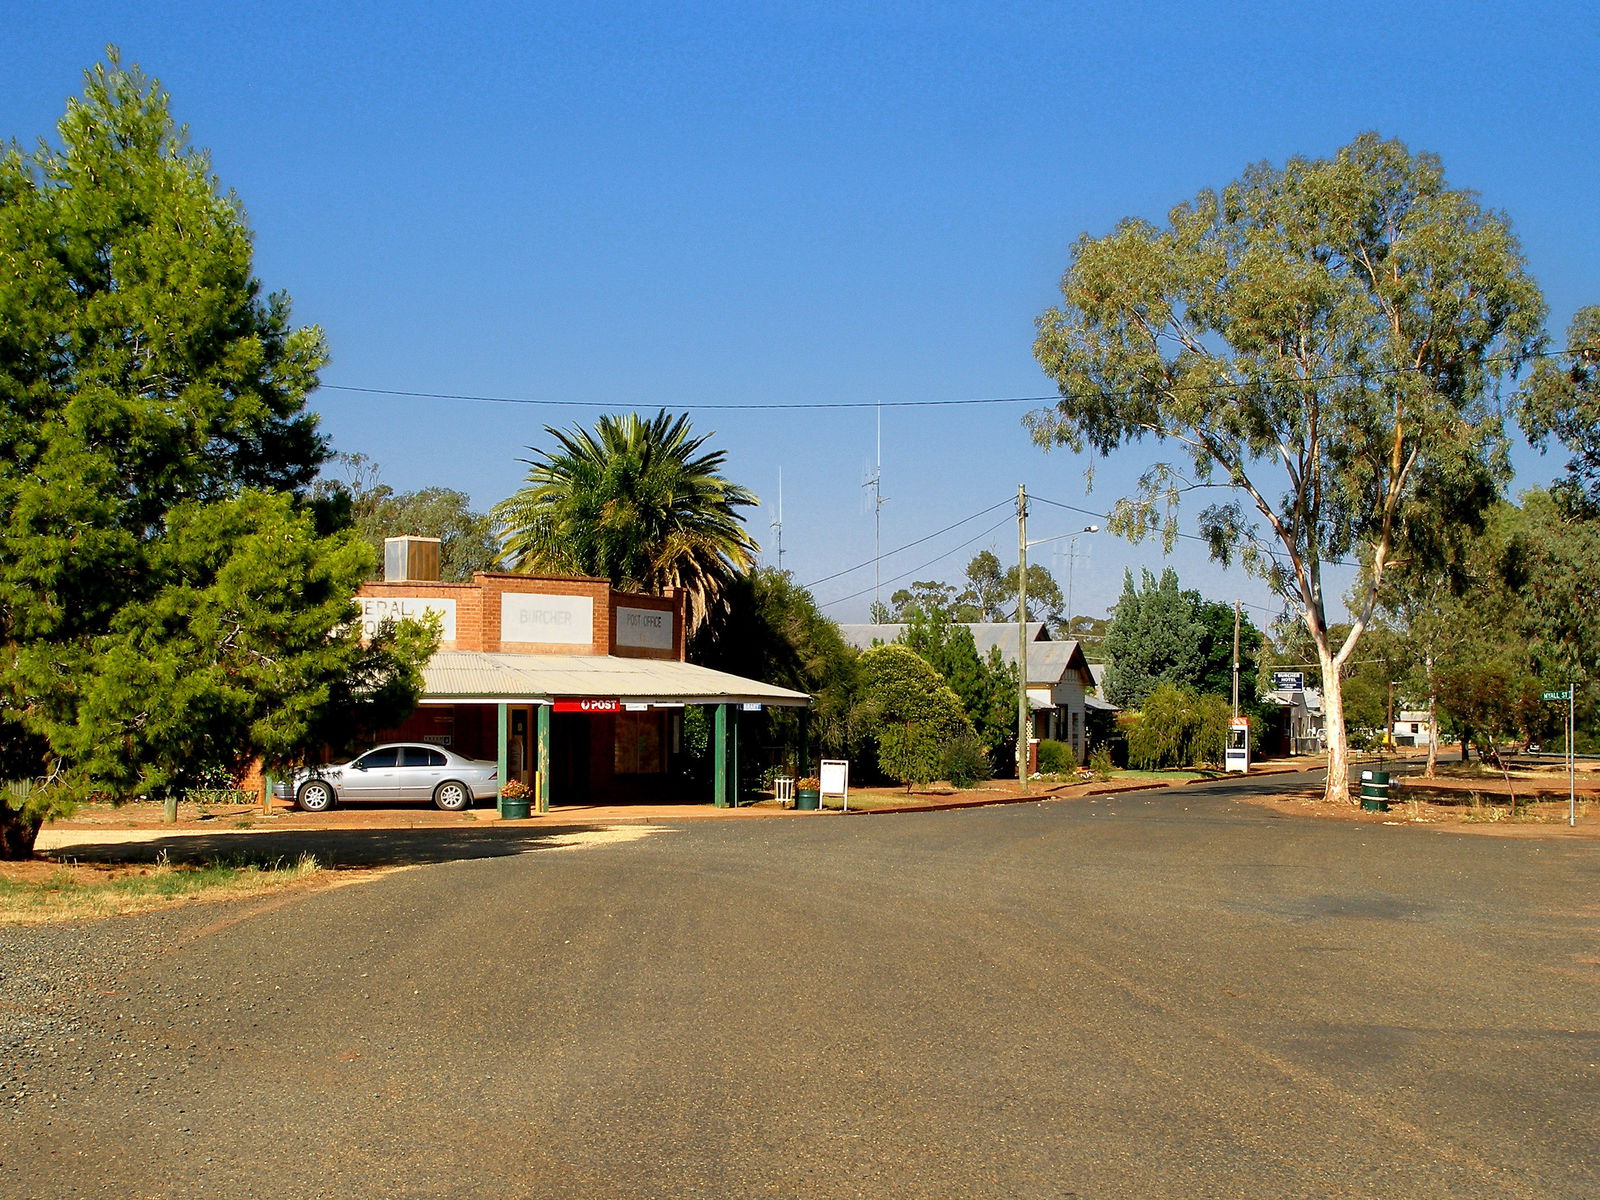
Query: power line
1274 612
1193 537
745 406
814 405
899 549
904 574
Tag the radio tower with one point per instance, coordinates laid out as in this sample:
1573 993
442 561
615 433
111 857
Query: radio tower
874 482
777 525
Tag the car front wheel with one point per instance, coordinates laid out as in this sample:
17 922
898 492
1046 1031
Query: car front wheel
452 796
315 797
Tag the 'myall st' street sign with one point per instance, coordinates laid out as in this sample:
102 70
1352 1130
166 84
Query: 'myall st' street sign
1561 695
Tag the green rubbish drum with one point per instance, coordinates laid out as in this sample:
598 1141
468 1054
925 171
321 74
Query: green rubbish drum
1375 791
807 798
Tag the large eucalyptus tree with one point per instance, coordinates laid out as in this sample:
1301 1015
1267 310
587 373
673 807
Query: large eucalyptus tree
1325 341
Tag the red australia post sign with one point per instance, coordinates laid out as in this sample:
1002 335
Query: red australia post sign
586 706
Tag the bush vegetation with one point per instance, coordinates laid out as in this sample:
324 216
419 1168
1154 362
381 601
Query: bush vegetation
1055 758
1178 728
966 761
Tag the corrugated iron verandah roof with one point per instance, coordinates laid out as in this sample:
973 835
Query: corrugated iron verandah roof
467 675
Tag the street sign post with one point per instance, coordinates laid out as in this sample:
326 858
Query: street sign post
1570 695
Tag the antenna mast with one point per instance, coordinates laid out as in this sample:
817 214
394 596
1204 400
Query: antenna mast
875 482
777 525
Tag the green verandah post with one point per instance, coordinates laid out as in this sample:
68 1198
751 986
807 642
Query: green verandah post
500 734
719 768
544 758
733 756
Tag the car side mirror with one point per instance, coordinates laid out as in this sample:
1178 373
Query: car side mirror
360 766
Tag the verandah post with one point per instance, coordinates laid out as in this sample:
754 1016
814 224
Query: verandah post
719 769
544 757
500 734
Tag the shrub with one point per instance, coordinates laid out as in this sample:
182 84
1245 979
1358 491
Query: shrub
220 795
1177 728
966 762
910 753
1055 758
1100 761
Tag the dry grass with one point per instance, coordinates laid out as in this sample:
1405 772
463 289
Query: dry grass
40 891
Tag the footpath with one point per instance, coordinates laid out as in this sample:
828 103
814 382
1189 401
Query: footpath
377 835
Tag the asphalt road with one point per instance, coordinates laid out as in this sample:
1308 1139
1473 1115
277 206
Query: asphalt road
1160 994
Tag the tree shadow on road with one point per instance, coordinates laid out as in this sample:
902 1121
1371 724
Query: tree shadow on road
336 848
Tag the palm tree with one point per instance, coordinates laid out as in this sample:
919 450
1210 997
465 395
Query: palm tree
635 501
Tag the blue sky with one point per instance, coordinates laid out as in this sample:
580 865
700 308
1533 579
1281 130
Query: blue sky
609 207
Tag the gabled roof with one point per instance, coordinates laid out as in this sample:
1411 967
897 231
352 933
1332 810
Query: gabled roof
1054 661
1310 698
1048 661
985 635
1003 635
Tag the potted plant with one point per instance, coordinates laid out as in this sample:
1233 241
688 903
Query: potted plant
808 792
514 797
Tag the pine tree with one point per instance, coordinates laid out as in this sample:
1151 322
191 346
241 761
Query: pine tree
168 605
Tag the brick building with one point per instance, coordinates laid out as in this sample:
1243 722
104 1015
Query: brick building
567 681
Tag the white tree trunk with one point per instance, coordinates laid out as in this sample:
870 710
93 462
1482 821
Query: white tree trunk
1433 737
1338 785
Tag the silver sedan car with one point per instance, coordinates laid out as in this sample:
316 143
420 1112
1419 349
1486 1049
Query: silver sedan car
395 772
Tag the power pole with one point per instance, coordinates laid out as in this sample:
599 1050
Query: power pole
1236 660
1022 637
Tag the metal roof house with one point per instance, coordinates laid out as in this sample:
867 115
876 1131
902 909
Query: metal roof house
573 687
1058 673
1295 724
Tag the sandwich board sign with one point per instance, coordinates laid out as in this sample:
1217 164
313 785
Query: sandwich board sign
835 779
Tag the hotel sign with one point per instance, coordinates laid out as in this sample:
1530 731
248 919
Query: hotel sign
647 628
375 610
551 620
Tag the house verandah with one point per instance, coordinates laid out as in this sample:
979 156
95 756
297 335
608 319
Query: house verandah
574 688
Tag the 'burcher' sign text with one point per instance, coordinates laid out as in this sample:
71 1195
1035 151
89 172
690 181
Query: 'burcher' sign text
553 620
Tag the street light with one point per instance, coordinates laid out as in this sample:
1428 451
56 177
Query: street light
1072 558
1072 563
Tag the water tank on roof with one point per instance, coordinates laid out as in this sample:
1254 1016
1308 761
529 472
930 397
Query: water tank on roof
410 557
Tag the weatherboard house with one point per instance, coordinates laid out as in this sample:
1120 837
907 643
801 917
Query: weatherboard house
1059 679
567 681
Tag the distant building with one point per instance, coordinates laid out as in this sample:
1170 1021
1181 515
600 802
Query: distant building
1413 728
1059 678
1293 723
